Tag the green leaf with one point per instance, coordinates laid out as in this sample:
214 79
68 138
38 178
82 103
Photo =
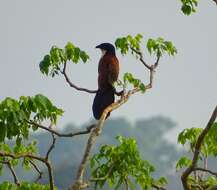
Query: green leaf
189 6
142 87
45 64
186 9
57 57
122 162
3 132
183 162
69 49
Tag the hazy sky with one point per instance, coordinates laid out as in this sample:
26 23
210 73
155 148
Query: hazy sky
184 87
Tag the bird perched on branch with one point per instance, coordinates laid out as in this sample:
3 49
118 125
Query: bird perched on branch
108 70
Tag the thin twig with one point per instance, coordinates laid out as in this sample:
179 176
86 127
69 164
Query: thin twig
126 184
58 133
103 178
16 180
199 142
73 85
158 187
205 170
197 186
40 173
139 53
47 163
51 146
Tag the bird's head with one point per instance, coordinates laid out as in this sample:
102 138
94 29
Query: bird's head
106 48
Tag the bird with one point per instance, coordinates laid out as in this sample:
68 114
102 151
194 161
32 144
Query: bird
108 71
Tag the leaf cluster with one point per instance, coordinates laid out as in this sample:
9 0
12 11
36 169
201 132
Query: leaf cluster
128 78
24 186
52 62
157 46
18 149
160 46
189 6
209 145
125 43
15 114
121 164
208 148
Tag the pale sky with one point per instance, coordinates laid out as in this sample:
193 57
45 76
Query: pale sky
184 87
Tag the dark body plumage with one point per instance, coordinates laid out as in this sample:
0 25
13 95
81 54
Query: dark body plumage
108 71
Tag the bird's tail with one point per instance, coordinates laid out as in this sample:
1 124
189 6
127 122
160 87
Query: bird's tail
102 100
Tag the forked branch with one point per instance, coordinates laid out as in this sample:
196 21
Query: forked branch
52 131
73 85
199 142
41 159
10 167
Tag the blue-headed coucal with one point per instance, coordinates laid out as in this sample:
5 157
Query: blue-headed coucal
108 70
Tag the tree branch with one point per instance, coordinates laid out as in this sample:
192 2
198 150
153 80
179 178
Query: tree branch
158 188
199 142
205 170
16 180
46 162
58 133
40 173
126 184
139 53
103 178
73 85
51 146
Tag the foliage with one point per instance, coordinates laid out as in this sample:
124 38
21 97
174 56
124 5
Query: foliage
52 62
125 43
15 114
209 145
208 148
189 6
128 78
158 46
15 124
121 164
23 186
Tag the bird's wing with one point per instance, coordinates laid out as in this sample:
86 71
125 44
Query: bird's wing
112 69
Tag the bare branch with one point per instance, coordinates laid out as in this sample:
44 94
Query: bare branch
157 62
40 173
47 163
73 85
158 188
199 142
139 53
16 180
51 146
205 170
58 133
126 184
